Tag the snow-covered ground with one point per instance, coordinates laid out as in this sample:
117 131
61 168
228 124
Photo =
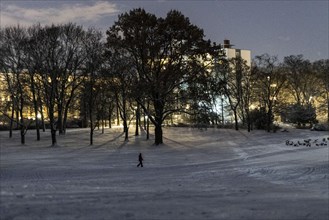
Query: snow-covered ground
212 174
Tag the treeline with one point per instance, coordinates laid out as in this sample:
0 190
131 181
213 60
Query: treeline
146 67
295 89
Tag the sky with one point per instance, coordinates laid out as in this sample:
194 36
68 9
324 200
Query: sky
277 27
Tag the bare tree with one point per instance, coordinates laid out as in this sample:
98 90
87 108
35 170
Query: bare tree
72 57
233 86
12 65
121 77
269 82
247 94
56 54
50 45
93 47
33 63
300 79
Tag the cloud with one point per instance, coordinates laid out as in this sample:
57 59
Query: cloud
79 13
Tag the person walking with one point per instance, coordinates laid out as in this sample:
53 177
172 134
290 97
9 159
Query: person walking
140 159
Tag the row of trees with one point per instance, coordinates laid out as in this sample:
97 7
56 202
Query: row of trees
44 67
299 84
147 66
295 89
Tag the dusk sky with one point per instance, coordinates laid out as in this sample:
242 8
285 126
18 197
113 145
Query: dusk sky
279 28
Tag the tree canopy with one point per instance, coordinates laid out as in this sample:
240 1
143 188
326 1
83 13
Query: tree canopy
168 54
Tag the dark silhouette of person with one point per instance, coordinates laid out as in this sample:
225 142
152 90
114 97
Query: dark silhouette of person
140 159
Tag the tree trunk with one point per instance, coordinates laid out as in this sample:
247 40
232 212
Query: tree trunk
53 137
17 118
52 128
148 122
90 109
125 129
269 119
118 114
22 127
39 103
11 120
22 135
158 107
158 134
124 116
64 122
91 138
236 120
137 120
51 109
60 119
21 106
43 120
35 105
66 110
110 117
102 123
37 127
147 129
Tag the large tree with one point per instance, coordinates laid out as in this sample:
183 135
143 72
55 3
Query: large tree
93 85
59 53
13 67
269 79
32 64
236 80
120 76
166 54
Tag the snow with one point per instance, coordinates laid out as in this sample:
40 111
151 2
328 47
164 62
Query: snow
209 174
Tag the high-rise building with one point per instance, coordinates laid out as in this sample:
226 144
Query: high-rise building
231 53
235 53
